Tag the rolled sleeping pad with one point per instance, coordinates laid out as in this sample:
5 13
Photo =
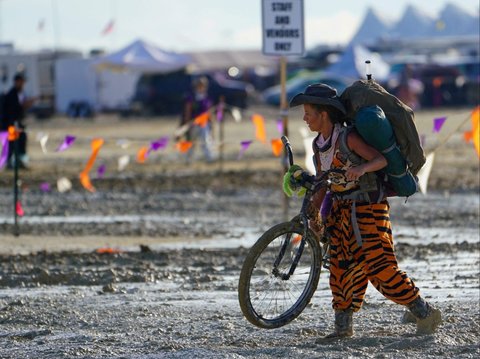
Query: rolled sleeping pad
374 127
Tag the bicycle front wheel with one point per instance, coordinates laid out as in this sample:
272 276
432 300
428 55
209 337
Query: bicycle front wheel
270 295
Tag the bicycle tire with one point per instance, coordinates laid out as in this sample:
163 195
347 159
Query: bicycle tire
250 287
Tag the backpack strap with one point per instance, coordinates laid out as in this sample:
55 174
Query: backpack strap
369 181
345 150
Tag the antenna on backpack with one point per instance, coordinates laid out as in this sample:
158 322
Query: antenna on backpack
368 70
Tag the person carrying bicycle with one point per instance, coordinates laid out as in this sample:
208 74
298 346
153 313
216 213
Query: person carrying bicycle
358 224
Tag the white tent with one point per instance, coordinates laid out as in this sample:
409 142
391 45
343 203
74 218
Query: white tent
143 57
352 64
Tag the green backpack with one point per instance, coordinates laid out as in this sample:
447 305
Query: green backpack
365 93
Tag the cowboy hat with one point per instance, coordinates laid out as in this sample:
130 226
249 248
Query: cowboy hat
319 94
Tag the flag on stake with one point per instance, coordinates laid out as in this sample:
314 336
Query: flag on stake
259 123
45 187
142 154
159 144
123 162
109 28
202 119
243 147
13 134
236 114
64 184
438 123
86 183
3 148
101 170
277 146
280 126
67 142
43 142
474 134
424 173
184 146
19 209
96 145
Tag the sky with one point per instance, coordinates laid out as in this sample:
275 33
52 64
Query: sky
182 25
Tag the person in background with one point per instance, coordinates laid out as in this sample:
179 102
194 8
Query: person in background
409 89
196 103
15 104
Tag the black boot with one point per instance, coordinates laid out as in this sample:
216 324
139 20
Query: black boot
343 324
428 317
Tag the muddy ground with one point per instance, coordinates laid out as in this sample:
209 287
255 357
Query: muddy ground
178 235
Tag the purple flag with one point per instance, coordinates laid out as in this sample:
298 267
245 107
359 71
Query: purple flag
67 142
280 126
161 143
438 123
244 146
101 170
45 187
3 148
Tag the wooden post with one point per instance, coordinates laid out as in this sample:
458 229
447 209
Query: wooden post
221 136
284 117
16 230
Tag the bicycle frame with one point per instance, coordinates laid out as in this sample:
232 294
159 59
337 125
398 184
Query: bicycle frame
302 217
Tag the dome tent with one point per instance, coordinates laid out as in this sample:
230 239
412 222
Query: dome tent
144 57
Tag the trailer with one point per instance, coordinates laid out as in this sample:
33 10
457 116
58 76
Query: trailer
38 68
81 86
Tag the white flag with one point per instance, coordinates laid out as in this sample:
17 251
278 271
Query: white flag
64 184
123 162
424 173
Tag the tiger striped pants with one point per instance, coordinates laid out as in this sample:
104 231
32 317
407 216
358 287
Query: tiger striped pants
352 266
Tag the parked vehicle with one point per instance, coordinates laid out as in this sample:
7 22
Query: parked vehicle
300 82
158 94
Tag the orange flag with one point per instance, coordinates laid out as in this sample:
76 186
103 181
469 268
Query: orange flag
142 154
474 134
184 146
277 146
85 181
259 123
202 119
12 133
96 145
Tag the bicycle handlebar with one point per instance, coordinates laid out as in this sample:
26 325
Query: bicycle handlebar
288 149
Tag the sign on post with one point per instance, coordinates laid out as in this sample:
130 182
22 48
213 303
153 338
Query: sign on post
283 29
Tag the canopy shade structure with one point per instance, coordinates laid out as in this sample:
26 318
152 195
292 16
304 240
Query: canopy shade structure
143 57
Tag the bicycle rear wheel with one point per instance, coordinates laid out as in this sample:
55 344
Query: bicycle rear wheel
268 296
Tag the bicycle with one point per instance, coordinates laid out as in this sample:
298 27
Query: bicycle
280 273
